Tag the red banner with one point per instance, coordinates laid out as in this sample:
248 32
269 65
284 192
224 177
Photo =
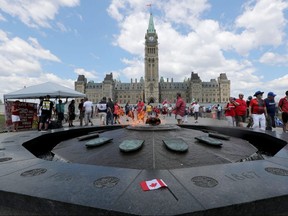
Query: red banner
28 115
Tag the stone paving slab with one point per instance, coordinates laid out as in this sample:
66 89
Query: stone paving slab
164 201
231 184
71 183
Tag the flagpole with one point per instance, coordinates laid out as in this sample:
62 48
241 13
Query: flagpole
149 5
172 193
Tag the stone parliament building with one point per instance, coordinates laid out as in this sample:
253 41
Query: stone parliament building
150 88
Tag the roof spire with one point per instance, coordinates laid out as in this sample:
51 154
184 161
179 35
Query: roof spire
151 28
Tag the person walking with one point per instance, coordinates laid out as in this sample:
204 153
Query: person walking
240 110
271 110
179 109
195 108
71 113
15 111
230 111
88 106
258 111
283 107
128 111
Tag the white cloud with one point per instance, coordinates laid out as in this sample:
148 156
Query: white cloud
185 12
134 68
262 22
271 58
18 56
88 74
35 13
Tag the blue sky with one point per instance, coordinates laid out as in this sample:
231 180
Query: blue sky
57 40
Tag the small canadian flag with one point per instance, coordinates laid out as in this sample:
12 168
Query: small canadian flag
152 184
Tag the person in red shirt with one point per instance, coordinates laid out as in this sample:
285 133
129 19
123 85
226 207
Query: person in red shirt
230 111
240 110
179 109
258 111
140 110
283 107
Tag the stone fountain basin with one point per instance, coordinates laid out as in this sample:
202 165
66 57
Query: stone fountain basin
30 185
153 154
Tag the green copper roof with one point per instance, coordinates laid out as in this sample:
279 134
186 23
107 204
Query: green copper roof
151 28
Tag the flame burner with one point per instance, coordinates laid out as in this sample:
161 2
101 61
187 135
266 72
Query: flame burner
153 121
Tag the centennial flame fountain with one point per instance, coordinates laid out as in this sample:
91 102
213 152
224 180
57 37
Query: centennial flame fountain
247 171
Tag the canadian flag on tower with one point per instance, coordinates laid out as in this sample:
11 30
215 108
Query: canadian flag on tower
152 184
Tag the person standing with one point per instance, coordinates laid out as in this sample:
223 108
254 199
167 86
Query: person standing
247 105
283 107
102 110
179 109
39 111
46 112
195 108
60 108
81 111
219 111
140 110
240 110
230 111
258 111
71 113
88 110
15 111
110 111
214 111
271 110
117 111
149 109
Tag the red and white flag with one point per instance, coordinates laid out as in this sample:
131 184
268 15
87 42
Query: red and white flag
152 184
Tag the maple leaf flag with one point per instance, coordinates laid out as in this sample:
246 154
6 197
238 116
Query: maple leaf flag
152 184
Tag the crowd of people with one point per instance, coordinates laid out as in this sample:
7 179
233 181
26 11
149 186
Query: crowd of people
259 113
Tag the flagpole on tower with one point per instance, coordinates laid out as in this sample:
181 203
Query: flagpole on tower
149 5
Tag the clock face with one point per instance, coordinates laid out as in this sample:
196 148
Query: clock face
151 38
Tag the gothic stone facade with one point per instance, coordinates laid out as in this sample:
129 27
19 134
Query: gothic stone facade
150 88
215 91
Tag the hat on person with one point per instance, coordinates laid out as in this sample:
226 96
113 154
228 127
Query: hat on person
257 93
271 94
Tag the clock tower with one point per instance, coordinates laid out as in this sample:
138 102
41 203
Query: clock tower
151 64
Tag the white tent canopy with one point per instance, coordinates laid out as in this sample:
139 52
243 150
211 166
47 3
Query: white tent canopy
48 88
